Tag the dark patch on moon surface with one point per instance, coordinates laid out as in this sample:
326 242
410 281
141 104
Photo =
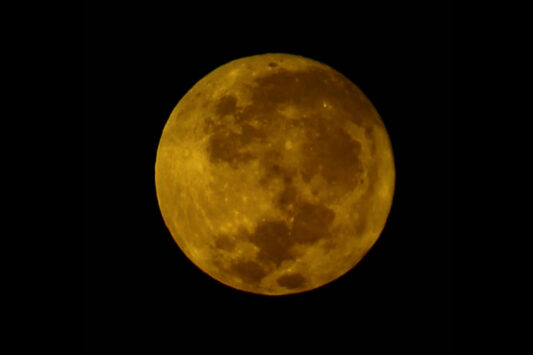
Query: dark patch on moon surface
364 203
227 146
329 150
225 243
274 242
288 198
332 153
249 271
312 223
308 88
369 134
275 239
270 160
291 281
226 105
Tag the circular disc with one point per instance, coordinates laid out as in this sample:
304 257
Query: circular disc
275 174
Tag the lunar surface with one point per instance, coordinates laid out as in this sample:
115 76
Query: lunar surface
275 174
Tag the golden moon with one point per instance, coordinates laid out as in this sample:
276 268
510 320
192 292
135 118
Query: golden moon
275 174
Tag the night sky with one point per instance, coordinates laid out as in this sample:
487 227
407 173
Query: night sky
141 292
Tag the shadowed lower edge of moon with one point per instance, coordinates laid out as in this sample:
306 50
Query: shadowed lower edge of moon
331 153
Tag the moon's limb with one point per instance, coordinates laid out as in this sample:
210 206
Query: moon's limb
275 174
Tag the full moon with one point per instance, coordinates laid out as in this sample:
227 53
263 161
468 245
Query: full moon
275 174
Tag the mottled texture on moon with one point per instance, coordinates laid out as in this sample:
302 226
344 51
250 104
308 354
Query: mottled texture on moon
275 174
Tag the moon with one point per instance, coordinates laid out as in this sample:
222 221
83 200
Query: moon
275 174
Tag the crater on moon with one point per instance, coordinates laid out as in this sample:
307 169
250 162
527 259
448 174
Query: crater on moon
292 179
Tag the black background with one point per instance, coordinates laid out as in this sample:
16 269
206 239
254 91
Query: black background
142 292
